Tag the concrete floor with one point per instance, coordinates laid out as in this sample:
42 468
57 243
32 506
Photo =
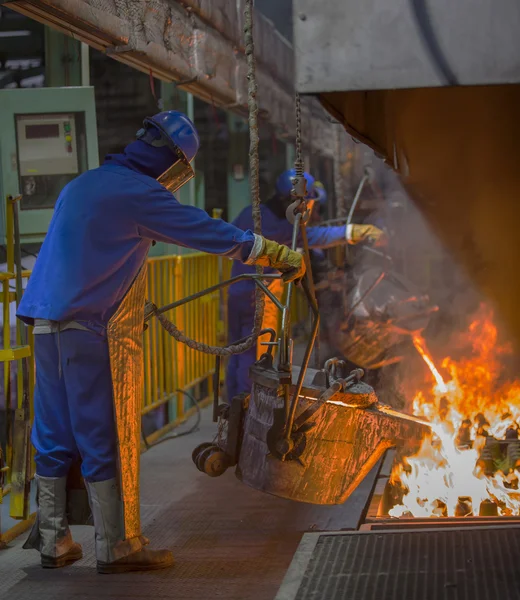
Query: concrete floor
230 541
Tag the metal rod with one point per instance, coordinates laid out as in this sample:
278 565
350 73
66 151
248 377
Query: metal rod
216 387
341 384
310 282
366 293
85 64
412 317
21 430
286 314
213 288
355 201
18 264
265 331
269 294
378 253
333 221
351 211
306 359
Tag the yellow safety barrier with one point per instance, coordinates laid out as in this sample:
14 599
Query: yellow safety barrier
12 354
172 368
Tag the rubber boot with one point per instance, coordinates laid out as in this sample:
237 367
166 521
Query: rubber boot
115 554
50 533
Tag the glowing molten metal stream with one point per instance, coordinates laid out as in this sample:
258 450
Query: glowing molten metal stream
420 345
473 455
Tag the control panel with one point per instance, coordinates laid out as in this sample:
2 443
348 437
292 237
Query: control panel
48 137
49 151
47 145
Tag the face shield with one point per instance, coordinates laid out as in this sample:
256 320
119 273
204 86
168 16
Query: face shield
177 175
181 171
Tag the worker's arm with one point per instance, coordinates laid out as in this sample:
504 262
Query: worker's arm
275 228
162 218
326 237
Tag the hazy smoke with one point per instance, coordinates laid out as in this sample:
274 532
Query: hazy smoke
419 257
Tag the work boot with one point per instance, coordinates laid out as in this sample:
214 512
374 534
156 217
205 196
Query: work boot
114 553
50 533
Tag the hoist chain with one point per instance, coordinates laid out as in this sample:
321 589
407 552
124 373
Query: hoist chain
255 202
299 191
298 165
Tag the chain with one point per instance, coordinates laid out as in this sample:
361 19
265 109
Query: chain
254 163
298 164
254 170
341 210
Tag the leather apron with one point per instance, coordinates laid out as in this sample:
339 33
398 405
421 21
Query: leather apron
125 346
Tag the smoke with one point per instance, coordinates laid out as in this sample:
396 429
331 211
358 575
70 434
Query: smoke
420 260
420 257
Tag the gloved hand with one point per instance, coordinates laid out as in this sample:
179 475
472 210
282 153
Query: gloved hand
365 233
278 256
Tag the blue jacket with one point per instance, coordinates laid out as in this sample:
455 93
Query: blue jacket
102 228
280 230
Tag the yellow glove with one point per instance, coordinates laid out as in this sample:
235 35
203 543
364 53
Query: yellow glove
278 256
365 233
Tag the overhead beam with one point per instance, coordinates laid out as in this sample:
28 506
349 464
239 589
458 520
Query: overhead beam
197 45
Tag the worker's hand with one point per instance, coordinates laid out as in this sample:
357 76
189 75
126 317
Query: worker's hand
365 233
278 256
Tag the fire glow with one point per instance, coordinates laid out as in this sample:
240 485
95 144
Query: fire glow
473 454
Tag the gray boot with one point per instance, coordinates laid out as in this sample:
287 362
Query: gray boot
115 554
50 533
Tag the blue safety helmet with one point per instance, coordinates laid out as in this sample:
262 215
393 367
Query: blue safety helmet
284 183
174 130
171 128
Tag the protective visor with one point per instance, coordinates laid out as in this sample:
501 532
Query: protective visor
177 175
181 171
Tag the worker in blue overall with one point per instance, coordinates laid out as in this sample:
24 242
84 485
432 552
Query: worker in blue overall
86 300
241 295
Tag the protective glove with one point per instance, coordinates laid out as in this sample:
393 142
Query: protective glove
365 233
278 256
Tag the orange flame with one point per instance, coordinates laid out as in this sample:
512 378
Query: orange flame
471 404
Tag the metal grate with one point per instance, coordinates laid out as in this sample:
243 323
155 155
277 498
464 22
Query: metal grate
481 564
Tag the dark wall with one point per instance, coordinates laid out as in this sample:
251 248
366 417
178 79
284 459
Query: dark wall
123 98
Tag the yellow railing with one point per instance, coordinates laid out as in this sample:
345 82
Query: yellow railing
13 418
172 368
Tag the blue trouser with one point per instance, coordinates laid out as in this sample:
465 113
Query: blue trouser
241 314
73 409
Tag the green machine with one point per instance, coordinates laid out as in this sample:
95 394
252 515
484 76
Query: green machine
48 137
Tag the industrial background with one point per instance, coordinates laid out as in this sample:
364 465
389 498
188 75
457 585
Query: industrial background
77 77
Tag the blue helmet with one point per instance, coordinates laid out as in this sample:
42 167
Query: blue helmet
284 183
171 128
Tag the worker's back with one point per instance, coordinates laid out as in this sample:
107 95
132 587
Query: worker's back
93 249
